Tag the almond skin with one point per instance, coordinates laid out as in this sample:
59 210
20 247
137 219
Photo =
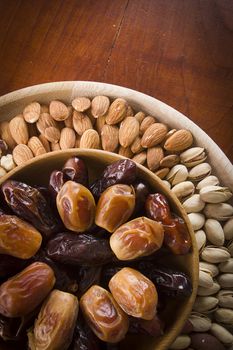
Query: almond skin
36 146
136 146
21 154
81 104
179 141
52 134
81 122
90 139
44 142
31 112
146 122
44 122
125 152
140 158
154 156
154 135
19 130
67 138
117 111
99 106
110 137
58 110
129 130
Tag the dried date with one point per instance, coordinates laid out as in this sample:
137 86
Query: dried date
141 193
10 265
87 277
157 208
154 327
75 170
56 181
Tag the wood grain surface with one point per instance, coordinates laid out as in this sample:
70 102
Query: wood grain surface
179 51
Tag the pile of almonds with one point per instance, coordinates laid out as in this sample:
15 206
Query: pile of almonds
171 155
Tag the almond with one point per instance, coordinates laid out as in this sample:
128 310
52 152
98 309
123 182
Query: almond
31 112
146 122
81 104
100 122
6 134
110 137
36 146
136 146
44 122
154 156
67 138
117 111
129 130
179 141
162 173
140 116
129 112
55 146
81 122
99 106
90 139
19 130
69 120
140 158
125 152
154 135
21 154
52 134
44 142
58 110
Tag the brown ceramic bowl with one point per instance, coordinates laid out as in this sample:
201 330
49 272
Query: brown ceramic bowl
37 171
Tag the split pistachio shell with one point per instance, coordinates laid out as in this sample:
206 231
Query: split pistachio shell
224 315
200 239
226 280
228 229
226 266
225 298
177 174
205 279
215 194
213 269
197 220
193 156
206 291
221 334
194 204
200 322
199 172
205 304
219 211
208 181
181 342
214 232
215 254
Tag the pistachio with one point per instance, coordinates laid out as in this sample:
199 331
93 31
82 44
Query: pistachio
200 322
183 189
219 211
226 266
170 161
177 174
208 181
167 184
221 334
228 229
215 194
210 267
215 254
230 247
224 315
205 279
199 172
205 304
193 156
197 220
226 280
225 298
193 204
206 291
200 239
214 232
181 342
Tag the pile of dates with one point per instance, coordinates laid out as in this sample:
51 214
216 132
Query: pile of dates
79 263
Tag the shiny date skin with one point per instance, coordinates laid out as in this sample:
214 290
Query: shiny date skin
141 192
120 172
28 203
154 327
87 277
56 181
79 249
157 208
169 282
10 265
75 170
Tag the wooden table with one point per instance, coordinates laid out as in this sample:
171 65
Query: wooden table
179 51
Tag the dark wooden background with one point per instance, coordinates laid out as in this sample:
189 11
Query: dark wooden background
179 51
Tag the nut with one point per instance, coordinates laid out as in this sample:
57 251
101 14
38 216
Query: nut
225 298
52 134
219 211
58 110
81 104
7 162
193 204
215 194
146 123
136 146
177 174
226 266
183 189
154 135
117 111
129 130
210 267
214 232
99 106
181 342
81 122
205 304
69 120
90 139
6 134
210 180
44 142
100 122
226 280
162 173
215 254
200 322
135 293
205 279
199 172
140 116
36 146
21 154
200 239
154 156
204 291
221 334
31 112
67 138
179 141
224 315
45 121
19 130
170 161
139 158
193 156
110 137
228 229
126 152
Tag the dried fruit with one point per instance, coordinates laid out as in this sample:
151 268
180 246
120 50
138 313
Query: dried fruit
176 236
56 181
135 293
75 170
157 208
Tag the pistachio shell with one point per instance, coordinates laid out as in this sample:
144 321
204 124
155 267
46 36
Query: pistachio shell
199 172
200 322
224 315
200 239
193 204
226 266
183 189
205 304
219 211
193 156
206 291
167 184
228 229
197 220
215 254
214 232
181 342
225 298
177 174
221 334
230 248
208 181
215 194
226 280
213 269
205 279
